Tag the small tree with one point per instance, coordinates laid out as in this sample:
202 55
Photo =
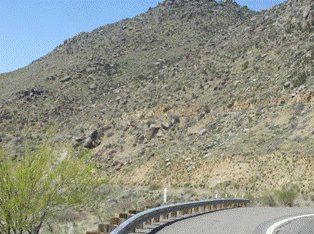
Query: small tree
40 185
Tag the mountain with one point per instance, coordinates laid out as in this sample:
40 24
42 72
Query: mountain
195 93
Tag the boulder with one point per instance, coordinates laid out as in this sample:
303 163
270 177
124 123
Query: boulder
93 138
287 84
78 138
203 132
89 143
30 93
152 132
65 79
166 125
93 87
174 119
93 134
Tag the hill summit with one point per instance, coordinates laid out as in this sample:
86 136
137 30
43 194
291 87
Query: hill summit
183 2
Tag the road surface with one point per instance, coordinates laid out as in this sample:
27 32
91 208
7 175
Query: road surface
246 221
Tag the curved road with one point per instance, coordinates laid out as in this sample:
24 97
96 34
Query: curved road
247 221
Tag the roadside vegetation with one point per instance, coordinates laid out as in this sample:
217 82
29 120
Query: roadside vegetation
284 196
39 185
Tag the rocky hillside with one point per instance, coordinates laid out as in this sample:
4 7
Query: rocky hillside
195 93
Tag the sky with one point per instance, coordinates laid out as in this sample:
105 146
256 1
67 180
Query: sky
29 29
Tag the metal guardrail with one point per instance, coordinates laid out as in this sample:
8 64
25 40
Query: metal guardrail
137 221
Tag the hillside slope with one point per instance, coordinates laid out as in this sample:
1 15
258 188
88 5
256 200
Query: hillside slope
190 93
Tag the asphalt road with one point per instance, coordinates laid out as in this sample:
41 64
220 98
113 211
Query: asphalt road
245 221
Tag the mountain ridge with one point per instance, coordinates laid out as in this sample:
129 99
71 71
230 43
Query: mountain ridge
182 94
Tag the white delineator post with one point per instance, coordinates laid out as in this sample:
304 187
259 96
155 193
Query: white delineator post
165 195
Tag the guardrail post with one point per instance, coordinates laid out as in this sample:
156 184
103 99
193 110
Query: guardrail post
133 212
140 226
102 228
115 221
148 222
173 214
180 212
156 219
123 216
165 216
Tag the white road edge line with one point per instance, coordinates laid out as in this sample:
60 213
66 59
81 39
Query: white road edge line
272 228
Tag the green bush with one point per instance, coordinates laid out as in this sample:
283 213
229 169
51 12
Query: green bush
155 187
268 200
287 195
41 184
245 65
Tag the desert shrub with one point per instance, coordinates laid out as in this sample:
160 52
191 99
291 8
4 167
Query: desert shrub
40 185
287 194
155 187
268 200
245 65
284 196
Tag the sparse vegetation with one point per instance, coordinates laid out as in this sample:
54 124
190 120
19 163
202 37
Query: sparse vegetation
267 199
286 195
